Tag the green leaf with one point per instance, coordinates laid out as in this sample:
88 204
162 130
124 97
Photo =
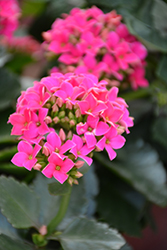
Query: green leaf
18 203
48 204
138 164
7 153
159 13
56 188
87 234
33 7
7 243
10 88
6 228
114 4
161 70
140 23
92 189
9 168
119 204
159 130
78 204
5 129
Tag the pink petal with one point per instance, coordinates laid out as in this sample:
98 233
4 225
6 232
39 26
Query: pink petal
90 139
66 146
48 170
117 142
111 153
19 159
101 143
84 106
42 114
25 147
85 150
36 150
54 140
61 177
67 165
55 159
87 159
30 164
101 129
99 108
78 141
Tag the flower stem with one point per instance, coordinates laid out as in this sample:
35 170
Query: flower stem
61 213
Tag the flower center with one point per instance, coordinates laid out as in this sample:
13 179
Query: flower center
30 157
58 168
107 141
78 152
57 150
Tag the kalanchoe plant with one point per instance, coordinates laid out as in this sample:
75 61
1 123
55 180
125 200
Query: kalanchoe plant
89 41
63 119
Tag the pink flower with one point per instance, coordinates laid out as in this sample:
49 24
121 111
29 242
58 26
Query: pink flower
9 13
58 168
20 122
80 150
109 141
91 106
26 155
54 144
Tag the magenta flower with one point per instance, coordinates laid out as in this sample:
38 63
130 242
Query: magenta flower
80 150
54 144
26 157
91 106
20 122
109 141
58 168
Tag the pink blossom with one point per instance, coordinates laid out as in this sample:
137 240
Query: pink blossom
80 150
58 168
111 140
26 157
54 144
9 13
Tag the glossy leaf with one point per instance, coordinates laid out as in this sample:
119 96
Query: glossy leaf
5 129
159 130
48 204
18 203
8 243
118 204
10 88
6 228
161 70
87 234
138 164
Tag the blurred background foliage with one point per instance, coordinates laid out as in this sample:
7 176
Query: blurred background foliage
123 190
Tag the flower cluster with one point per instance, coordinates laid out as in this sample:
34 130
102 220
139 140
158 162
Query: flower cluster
9 13
23 44
89 41
63 119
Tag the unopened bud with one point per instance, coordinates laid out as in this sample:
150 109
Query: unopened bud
72 123
70 181
59 102
79 164
97 149
55 108
45 151
62 114
43 230
68 105
48 119
78 113
56 120
71 115
78 174
66 119
53 98
37 167
69 135
62 134
76 182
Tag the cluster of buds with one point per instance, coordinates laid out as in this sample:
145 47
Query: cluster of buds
89 41
63 119
22 44
9 14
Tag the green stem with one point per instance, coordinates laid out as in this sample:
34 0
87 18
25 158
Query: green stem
61 213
